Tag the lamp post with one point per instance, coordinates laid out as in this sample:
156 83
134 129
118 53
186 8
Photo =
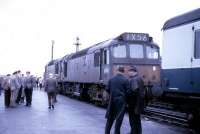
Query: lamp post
77 44
52 48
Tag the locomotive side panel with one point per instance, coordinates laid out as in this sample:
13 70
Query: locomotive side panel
82 70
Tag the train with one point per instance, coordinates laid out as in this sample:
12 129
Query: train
86 73
172 80
181 63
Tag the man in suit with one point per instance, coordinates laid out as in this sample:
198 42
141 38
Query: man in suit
29 84
19 79
7 92
14 86
117 88
135 100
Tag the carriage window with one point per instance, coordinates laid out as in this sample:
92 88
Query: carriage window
65 69
152 52
197 45
119 51
136 51
97 59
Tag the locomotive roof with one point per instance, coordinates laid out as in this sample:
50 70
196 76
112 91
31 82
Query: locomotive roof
186 18
90 49
53 62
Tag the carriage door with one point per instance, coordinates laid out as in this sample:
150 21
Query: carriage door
195 62
104 66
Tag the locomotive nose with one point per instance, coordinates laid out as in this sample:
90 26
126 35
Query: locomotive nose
150 74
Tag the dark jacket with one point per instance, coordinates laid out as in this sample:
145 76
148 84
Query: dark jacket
135 95
29 82
117 88
51 85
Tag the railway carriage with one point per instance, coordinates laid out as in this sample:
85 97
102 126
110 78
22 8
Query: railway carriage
181 55
181 64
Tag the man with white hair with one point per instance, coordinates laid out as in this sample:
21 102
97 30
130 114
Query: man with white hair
51 89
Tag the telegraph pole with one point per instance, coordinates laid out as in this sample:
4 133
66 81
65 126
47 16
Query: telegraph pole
77 44
52 48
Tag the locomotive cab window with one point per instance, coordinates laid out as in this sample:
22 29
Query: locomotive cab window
136 51
152 52
197 44
119 51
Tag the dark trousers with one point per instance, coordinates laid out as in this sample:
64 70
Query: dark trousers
120 109
135 122
19 95
51 98
28 94
7 95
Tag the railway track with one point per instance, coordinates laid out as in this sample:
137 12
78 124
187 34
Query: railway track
165 113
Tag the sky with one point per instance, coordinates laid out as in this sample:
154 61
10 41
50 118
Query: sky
27 27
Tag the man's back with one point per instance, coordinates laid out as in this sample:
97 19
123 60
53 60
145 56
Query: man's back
51 85
118 86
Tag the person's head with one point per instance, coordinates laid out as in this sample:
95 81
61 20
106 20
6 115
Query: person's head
132 71
120 70
19 72
28 73
51 76
8 76
15 73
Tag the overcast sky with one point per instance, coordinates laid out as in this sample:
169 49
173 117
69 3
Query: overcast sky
28 26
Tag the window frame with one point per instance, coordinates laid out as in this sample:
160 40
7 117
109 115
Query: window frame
152 47
113 50
143 50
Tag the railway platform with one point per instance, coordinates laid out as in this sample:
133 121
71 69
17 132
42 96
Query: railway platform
70 116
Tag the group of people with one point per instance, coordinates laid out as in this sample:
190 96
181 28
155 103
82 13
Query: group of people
18 88
125 93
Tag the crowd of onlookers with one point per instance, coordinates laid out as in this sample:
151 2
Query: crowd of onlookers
18 88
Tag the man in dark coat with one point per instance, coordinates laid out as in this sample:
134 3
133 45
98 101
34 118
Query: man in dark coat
117 88
7 92
135 100
29 84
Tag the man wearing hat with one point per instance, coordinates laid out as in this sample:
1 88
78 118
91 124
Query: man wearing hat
135 100
117 88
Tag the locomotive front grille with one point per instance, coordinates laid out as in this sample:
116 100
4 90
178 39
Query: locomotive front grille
149 73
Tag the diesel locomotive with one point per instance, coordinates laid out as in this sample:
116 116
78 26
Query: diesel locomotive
86 73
